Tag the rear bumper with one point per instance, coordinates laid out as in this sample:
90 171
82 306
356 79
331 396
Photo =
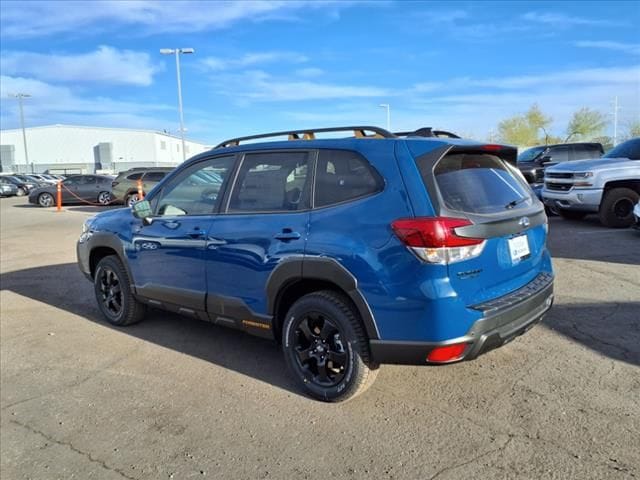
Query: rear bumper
504 319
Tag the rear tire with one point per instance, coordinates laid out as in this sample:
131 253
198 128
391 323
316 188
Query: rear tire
616 209
104 198
131 199
326 348
572 214
112 288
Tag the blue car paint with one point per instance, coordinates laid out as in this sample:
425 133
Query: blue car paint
410 300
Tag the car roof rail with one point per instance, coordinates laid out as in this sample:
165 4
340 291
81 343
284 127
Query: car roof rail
310 134
427 132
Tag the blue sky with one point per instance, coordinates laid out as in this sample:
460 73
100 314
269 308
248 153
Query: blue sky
262 66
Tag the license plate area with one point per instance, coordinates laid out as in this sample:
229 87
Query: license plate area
519 248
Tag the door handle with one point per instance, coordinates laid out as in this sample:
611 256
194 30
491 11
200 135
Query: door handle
286 235
196 233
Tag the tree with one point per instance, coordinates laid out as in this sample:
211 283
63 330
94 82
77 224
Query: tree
524 129
633 130
586 124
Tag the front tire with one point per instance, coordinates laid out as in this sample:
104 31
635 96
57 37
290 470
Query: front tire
45 200
21 192
616 209
326 348
572 214
112 288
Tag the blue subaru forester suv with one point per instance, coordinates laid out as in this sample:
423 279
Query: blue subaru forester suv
413 248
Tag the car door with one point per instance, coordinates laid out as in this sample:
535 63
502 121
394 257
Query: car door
70 189
166 255
265 221
88 188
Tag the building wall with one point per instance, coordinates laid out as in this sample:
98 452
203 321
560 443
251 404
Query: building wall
84 149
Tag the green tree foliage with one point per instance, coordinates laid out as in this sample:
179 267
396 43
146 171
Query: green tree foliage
529 128
585 125
633 130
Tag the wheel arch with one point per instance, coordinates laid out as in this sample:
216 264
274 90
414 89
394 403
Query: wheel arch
299 276
633 184
105 244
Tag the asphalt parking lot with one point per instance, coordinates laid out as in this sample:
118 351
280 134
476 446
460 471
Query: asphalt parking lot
177 398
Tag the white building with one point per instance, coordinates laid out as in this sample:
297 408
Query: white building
77 149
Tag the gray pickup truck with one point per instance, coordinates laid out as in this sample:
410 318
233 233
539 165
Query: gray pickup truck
608 186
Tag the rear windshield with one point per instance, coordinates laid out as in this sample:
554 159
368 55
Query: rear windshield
479 183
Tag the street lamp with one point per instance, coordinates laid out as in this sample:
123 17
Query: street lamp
388 107
177 52
21 96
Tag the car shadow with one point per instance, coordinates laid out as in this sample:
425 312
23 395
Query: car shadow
610 329
252 356
588 239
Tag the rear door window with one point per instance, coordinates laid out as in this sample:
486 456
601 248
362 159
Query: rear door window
477 184
154 176
272 182
344 175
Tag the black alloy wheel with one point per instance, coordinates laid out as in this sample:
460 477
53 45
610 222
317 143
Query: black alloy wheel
320 350
326 347
113 293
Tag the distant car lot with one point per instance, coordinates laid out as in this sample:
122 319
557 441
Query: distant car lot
174 397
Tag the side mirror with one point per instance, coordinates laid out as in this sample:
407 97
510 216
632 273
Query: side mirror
142 210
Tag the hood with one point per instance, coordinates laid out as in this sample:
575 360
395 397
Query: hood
584 165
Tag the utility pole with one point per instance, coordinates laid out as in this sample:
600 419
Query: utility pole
177 52
615 120
388 108
21 96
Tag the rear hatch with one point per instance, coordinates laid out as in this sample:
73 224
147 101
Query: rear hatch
479 185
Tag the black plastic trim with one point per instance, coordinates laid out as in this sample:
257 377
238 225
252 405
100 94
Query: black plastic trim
183 297
319 268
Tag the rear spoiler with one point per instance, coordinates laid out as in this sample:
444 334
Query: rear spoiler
505 152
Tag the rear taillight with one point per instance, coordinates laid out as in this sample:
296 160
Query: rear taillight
434 239
113 184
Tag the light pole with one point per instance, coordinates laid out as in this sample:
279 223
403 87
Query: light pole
177 52
615 120
20 96
388 108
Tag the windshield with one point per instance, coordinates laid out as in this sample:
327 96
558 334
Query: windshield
530 154
629 149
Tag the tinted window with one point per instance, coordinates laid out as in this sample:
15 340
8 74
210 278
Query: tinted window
584 152
343 175
135 176
559 154
629 149
530 154
72 181
272 182
196 190
477 183
154 176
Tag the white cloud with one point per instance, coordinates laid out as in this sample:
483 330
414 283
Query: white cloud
104 65
59 104
251 60
632 48
563 20
35 19
262 87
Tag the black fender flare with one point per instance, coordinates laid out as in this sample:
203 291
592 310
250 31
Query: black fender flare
319 268
110 240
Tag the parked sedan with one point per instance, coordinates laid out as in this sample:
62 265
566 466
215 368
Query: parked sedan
94 189
7 189
24 185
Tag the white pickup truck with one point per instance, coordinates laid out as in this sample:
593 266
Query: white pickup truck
608 186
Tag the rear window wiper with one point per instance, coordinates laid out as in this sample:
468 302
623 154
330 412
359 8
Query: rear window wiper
513 203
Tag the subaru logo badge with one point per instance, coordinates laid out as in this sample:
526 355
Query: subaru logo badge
524 222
